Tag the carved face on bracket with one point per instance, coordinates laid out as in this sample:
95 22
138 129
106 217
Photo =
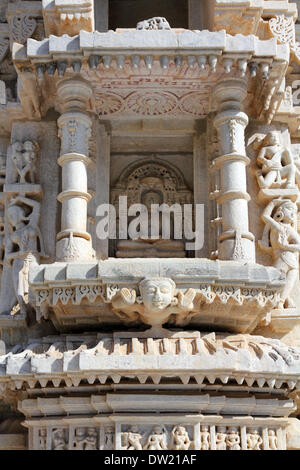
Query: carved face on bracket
157 294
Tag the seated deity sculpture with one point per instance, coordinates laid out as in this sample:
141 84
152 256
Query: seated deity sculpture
58 440
282 241
152 247
156 304
277 167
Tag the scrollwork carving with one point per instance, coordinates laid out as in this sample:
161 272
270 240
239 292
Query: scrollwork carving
155 23
22 27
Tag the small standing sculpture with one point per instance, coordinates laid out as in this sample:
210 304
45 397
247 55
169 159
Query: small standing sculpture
278 169
282 240
132 439
205 438
233 439
24 244
157 440
180 439
43 439
109 438
79 439
273 440
24 158
254 440
91 439
221 438
58 440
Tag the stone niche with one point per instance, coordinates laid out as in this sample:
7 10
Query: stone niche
151 181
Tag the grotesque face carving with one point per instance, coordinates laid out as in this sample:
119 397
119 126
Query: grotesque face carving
157 293
286 212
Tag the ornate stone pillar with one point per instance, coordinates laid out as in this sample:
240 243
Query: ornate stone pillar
74 242
235 241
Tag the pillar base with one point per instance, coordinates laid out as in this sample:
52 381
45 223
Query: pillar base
74 248
237 249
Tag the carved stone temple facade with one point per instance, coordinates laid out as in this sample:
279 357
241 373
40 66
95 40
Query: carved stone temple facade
145 343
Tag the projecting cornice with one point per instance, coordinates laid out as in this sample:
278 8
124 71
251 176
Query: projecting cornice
177 70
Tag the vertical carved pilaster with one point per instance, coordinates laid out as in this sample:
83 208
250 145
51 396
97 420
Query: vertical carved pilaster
235 241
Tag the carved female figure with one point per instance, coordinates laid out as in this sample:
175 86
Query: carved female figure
24 244
221 438
42 439
91 439
180 439
254 440
157 440
79 439
58 440
23 157
205 438
132 439
282 240
233 439
273 440
277 164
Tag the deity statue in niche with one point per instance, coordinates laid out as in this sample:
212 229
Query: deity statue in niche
157 303
282 241
157 440
24 243
131 440
157 187
278 169
180 439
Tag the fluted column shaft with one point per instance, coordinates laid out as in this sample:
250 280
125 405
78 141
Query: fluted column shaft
235 242
73 241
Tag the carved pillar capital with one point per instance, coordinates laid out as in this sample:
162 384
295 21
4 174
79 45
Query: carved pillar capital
74 94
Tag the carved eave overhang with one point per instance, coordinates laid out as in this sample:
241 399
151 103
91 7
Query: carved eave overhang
248 363
80 294
137 403
178 69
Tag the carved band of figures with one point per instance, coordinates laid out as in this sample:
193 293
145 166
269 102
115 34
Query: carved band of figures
159 437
